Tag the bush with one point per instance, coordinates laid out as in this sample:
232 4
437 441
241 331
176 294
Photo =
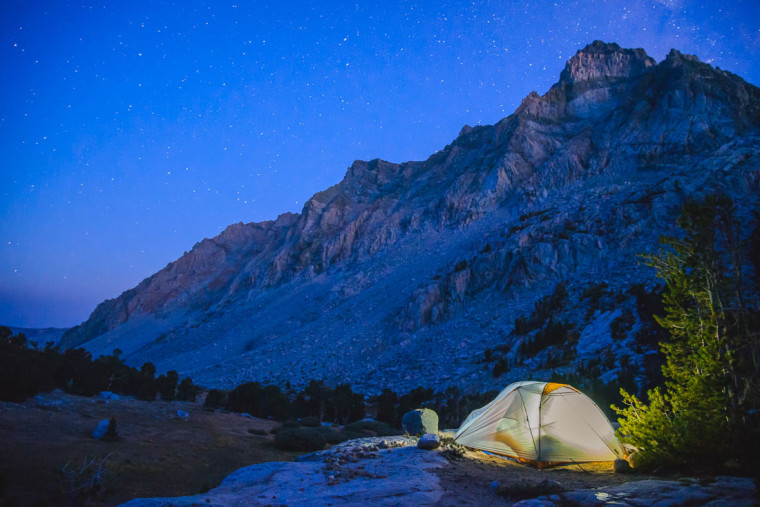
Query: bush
289 424
187 391
166 385
418 397
310 422
522 326
300 439
594 293
555 333
374 428
621 325
387 407
245 398
543 309
346 404
215 398
500 367
336 437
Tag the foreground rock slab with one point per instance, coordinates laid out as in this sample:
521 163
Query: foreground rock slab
376 471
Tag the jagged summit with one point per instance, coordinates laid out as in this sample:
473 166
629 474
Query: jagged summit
600 60
418 266
676 55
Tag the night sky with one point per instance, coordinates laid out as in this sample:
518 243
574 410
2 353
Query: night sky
130 132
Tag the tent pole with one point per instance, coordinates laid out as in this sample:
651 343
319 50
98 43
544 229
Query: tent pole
540 403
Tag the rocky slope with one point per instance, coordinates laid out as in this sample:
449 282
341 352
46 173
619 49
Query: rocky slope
404 274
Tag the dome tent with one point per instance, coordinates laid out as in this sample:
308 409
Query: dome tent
542 423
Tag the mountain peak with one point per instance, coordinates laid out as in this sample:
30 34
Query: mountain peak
453 249
602 60
677 56
601 47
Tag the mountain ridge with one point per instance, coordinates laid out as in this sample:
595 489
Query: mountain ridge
616 126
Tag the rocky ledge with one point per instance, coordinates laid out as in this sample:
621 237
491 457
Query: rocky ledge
393 471
376 471
736 491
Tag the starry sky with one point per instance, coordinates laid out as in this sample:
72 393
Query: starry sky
131 130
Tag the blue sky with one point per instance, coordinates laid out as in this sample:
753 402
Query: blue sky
130 132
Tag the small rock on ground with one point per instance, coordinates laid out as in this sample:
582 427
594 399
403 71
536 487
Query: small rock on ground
100 431
429 441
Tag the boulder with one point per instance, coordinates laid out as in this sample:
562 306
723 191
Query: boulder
429 441
549 486
420 421
182 414
621 466
100 431
108 395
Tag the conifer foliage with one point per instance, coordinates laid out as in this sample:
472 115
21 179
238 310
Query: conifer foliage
707 410
26 370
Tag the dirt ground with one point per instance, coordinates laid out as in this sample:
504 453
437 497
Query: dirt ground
158 454
468 481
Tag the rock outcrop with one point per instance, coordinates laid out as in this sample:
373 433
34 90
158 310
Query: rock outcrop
450 250
376 474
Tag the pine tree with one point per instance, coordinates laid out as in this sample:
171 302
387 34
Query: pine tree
711 377
187 391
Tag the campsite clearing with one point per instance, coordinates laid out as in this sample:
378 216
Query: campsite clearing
159 453
162 454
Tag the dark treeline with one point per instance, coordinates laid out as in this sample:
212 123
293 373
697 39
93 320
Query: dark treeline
27 370
319 401
341 405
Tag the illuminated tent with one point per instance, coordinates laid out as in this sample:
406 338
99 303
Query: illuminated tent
543 424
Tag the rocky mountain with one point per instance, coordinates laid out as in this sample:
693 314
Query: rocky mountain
405 274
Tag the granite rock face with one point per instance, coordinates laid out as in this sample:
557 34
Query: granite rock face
450 250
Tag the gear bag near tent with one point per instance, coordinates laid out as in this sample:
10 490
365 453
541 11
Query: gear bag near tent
542 423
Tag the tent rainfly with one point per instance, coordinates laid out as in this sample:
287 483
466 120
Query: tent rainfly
543 424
